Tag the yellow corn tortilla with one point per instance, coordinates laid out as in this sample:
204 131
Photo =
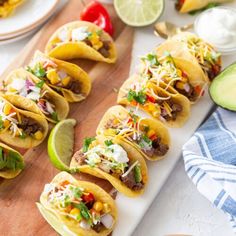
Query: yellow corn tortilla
71 50
10 174
61 105
133 156
184 60
76 72
122 114
67 227
178 98
8 7
191 5
27 142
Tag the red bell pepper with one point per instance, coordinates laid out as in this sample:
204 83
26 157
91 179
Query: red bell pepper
96 13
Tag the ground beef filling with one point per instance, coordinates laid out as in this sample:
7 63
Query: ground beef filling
29 126
158 148
191 94
74 86
128 180
104 50
211 70
175 107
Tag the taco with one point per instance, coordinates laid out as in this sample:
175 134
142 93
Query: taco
27 92
21 128
197 50
149 136
172 109
174 74
11 162
114 160
67 79
81 39
185 6
74 207
8 6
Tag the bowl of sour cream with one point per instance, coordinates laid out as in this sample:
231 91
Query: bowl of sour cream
218 27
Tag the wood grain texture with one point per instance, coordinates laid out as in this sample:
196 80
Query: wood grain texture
19 215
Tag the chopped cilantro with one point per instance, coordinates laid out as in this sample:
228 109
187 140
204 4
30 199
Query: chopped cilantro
87 142
40 84
108 142
152 58
84 211
38 70
54 116
139 97
23 135
77 192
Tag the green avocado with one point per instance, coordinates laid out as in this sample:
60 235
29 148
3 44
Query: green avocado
223 88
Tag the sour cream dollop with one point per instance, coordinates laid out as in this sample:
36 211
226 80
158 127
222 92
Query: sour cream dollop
218 27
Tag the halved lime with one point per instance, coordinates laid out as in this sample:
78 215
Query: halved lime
61 143
139 12
53 221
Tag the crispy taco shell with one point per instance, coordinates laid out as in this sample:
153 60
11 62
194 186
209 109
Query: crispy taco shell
61 105
72 70
191 5
27 142
121 113
8 173
61 223
71 50
182 116
133 156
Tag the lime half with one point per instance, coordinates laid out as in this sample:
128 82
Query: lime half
61 143
139 12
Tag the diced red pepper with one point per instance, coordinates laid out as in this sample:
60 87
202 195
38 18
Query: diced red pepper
88 197
96 13
64 183
153 137
198 89
151 99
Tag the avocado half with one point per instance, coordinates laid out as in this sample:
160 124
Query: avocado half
223 88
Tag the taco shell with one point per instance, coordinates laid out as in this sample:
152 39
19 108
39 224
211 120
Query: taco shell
61 223
61 105
74 72
70 50
121 113
133 155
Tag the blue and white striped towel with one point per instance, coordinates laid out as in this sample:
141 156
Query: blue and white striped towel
210 161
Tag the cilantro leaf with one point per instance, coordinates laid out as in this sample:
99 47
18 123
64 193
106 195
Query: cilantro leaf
139 97
40 84
77 192
152 58
11 160
38 70
108 142
84 211
87 142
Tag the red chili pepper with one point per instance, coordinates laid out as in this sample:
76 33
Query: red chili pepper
97 14
88 197
151 99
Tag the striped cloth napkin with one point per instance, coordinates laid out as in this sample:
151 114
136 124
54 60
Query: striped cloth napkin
210 161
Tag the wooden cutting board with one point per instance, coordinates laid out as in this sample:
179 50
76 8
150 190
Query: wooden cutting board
18 213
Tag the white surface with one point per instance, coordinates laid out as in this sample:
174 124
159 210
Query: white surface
179 208
29 14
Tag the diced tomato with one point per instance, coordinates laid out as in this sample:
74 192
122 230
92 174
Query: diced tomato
151 99
88 197
153 137
198 89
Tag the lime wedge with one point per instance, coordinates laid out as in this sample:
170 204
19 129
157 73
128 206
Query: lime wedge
53 221
139 12
61 143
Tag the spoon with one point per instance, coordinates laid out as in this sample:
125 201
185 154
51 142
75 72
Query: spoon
166 29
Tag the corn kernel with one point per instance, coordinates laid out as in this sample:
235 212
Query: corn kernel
180 85
106 208
6 123
75 212
53 76
38 135
150 133
12 90
109 132
7 109
98 206
66 80
151 107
